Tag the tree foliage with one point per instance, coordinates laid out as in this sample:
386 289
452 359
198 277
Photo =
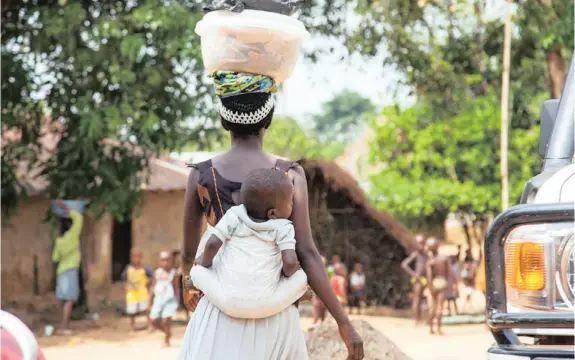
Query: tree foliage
286 138
449 166
447 160
442 155
341 115
116 81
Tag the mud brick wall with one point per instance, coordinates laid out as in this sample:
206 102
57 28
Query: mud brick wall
24 236
158 224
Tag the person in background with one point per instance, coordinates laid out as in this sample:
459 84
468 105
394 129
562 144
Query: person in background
468 278
339 283
453 292
137 279
468 256
319 310
357 283
335 259
480 276
166 295
418 277
67 254
438 274
179 275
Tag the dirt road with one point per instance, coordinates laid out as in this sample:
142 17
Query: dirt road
459 342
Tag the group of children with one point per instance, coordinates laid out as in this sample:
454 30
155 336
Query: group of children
438 276
348 288
156 293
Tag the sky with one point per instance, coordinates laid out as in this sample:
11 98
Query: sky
312 84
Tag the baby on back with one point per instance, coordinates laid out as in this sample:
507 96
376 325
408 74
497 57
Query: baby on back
249 267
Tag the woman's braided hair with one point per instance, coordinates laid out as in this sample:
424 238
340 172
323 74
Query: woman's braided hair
244 104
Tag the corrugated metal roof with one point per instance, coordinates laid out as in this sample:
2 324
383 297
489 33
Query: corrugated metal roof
167 174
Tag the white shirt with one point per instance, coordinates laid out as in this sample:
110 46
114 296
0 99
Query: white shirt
237 224
356 279
245 279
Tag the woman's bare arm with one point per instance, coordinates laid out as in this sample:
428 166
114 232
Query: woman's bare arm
313 266
192 222
307 252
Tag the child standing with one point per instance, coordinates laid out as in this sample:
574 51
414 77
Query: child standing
137 280
468 277
339 283
179 277
165 295
357 283
453 292
439 273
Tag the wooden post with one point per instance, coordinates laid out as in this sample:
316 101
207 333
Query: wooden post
505 107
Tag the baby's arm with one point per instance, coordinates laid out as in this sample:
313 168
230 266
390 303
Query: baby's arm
212 246
290 263
285 239
223 230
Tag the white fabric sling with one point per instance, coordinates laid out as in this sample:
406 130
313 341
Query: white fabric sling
245 279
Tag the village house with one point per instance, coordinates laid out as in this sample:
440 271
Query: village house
156 225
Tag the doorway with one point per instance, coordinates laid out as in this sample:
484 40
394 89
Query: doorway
121 245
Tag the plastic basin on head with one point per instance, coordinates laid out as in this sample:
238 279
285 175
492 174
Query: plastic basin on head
76 205
256 42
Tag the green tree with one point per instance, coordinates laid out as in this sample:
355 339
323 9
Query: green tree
449 53
118 82
342 114
449 166
286 138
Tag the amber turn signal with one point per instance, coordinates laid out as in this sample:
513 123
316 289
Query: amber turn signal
525 266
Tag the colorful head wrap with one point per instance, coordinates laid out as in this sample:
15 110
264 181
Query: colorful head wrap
229 83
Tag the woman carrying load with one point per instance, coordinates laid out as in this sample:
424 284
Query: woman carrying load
246 111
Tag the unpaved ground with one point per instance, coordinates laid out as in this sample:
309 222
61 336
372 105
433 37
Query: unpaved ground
112 340
324 342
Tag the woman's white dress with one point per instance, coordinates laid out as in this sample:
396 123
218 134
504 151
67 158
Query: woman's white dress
213 335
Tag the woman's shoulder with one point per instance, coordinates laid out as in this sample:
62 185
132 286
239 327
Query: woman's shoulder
285 165
200 165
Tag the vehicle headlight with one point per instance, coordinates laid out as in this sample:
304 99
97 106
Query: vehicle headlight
565 272
540 266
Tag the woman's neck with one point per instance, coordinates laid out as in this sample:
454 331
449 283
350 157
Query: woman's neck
251 142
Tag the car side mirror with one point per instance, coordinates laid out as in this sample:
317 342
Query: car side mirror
548 115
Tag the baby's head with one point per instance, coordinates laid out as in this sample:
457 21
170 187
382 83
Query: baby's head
267 194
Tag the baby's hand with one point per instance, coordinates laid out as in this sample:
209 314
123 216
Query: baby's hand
191 294
307 296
